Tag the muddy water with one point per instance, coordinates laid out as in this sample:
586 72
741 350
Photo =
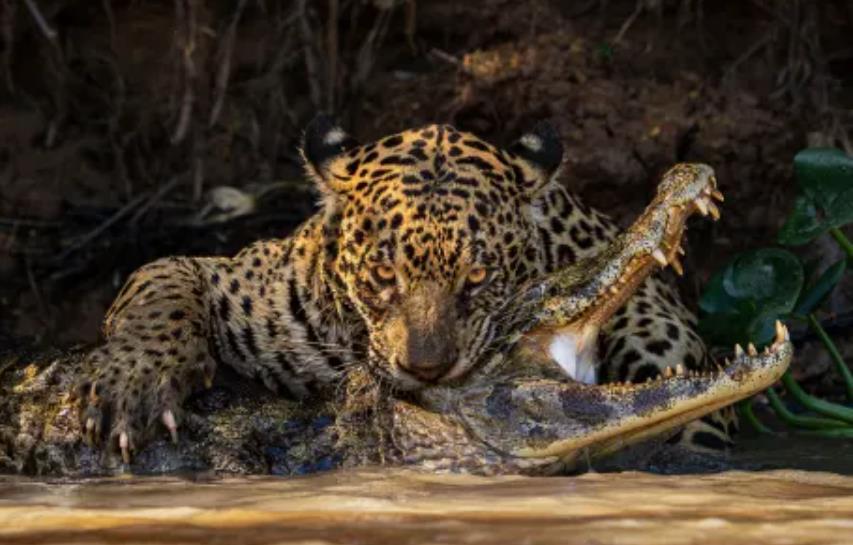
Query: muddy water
782 506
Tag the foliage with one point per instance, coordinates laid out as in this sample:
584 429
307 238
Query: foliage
825 199
742 301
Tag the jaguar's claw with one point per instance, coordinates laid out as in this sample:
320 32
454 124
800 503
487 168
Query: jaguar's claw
171 425
90 431
124 445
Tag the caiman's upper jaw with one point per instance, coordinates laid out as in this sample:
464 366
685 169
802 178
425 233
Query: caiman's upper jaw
654 240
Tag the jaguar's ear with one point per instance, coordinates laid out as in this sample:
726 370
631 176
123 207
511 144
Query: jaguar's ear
324 148
539 154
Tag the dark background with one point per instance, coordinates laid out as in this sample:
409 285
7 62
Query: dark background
120 119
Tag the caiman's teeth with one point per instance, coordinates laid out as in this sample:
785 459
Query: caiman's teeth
680 250
667 373
781 333
750 349
701 205
659 257
727 361
766 351
679 369
676 266
715 212
674 213
717 195
738 351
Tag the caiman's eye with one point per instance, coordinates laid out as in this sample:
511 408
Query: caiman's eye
476 276
385 273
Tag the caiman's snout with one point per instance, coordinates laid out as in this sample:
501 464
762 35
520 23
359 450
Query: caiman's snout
422 335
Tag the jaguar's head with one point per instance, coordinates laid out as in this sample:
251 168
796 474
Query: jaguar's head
429 232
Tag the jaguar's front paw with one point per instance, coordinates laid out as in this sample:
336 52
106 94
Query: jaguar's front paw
126 395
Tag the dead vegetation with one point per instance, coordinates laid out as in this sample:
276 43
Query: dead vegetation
133 129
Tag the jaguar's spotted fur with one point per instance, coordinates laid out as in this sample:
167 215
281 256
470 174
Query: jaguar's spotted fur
420 238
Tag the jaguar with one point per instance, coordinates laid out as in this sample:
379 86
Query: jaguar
421 240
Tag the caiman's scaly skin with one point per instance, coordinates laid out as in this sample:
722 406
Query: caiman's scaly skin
523 415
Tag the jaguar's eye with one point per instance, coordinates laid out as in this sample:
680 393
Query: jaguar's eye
385 273
476 276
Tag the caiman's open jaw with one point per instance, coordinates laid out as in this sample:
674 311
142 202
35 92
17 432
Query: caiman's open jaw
573 304
534 419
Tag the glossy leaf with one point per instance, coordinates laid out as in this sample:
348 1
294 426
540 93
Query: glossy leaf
804 223
814 295
744 299
825 180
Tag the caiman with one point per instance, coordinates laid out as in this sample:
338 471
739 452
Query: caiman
516 414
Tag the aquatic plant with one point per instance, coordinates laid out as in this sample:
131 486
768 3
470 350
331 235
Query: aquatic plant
742 300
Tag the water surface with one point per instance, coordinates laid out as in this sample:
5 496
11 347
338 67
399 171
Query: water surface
782 506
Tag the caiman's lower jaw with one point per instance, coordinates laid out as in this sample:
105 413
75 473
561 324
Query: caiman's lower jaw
634 412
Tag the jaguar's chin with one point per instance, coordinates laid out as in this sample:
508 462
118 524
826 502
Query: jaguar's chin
458 370
388 370
403 379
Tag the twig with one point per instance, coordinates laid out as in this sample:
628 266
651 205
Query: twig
223 75
583 9
638 9
118 100
198 171
108 11
155 198
10 8
331 54
445 56
310 56
186 16
32 223
753 49
43 25
34 287
410 25
366 56
97 231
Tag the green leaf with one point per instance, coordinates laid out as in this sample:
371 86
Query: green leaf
743 300
817 292
803 225
823 174
825 180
